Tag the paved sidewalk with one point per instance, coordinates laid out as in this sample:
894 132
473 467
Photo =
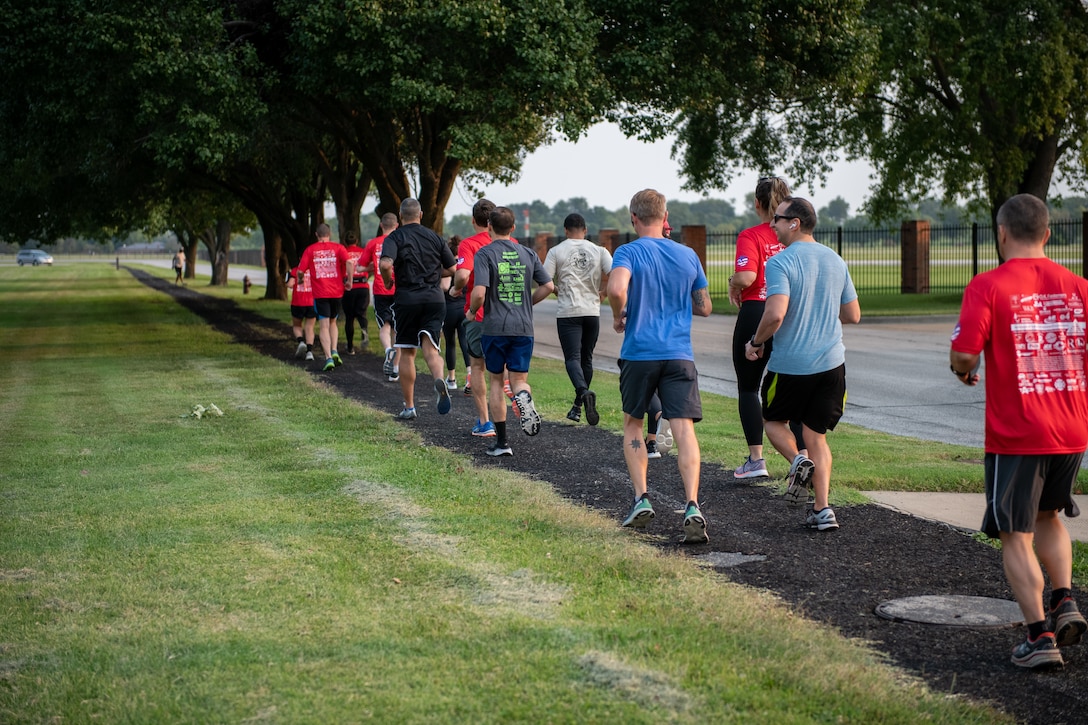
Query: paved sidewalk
963 510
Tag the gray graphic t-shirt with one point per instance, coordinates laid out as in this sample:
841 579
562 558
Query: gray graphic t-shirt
508 270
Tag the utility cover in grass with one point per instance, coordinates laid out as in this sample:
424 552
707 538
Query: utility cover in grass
953 610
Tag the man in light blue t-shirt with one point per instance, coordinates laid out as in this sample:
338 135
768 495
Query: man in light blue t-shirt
654 288
809 296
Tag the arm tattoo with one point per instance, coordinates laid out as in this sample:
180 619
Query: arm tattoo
699 297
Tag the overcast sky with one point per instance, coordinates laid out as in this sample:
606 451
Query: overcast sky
607 169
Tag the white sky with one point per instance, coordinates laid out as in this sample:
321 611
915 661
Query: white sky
607 169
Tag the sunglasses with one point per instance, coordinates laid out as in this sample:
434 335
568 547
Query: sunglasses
783 216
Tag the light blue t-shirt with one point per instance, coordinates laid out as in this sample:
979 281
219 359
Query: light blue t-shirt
664 274
818 283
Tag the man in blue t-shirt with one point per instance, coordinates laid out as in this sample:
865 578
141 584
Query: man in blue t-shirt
654 288
809 296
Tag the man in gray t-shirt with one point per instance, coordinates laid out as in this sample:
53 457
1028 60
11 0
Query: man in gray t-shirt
503 286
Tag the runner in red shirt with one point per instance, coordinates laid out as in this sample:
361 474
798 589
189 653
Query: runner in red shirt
473 332
326 264
356 299
303 314
1028 317
383 297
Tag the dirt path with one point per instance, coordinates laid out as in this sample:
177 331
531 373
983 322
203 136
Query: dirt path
835 578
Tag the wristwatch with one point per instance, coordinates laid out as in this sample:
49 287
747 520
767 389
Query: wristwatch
962 376
753 342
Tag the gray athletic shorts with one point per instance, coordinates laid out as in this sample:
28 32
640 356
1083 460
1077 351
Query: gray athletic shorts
1019 487
474 334
676 383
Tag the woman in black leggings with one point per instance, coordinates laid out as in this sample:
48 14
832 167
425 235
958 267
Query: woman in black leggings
748 291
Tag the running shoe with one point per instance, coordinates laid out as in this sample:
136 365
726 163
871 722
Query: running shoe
822 520
641 514
483 430
664 435
589 400
387 364
300 350
309 356
393 378
351 350
694 525
467 389
451 384
329 365
530 419
496 449
799 479
507 389
1043 652
751 469
575 413
651 450
407 414
442 402
1067 623
337 360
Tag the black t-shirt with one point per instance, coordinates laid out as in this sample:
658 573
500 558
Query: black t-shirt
419 256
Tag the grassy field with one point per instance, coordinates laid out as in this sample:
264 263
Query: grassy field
304 559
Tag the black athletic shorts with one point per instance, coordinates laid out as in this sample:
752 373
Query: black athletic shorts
327 307
383 310
676 383
1019 487
816 400
303 312
474 334
412 322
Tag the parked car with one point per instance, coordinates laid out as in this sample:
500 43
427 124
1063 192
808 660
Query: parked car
33 256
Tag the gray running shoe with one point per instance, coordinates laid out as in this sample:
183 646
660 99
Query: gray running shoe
664 435
822 520
442 403
495 450
407 414
309 356
751 469
1043 652
300 350
530 419
641 514
694 525
799 480
387 364
1067 623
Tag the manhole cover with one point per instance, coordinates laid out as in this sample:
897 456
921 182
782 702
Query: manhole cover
952 610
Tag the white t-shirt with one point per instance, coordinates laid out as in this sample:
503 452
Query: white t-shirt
576 267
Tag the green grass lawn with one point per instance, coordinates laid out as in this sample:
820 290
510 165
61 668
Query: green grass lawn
297 560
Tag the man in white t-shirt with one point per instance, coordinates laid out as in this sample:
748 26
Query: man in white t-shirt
579 268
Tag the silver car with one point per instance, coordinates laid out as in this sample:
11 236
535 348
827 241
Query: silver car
33 256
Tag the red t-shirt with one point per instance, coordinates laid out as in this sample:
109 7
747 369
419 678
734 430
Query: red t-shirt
1028 317
326 264
302 295
755 245
372 254
466 259
359 278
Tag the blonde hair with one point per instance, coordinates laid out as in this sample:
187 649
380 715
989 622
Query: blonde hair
771 191
648 205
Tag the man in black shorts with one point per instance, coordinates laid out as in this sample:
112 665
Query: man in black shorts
418 258
809 296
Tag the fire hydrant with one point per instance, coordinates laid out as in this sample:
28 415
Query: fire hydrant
246 284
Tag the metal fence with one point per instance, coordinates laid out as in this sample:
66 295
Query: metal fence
874 255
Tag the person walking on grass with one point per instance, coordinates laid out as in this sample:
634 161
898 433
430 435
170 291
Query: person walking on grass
748 292
326 265
579 269
809 297
383 296
473 328
655 287
418 258
1027 317
503 287
179 266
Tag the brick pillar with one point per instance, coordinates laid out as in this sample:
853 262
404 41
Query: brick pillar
609 239
914 237
694 237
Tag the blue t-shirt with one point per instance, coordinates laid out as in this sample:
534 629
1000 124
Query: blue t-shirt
818 283
664 274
